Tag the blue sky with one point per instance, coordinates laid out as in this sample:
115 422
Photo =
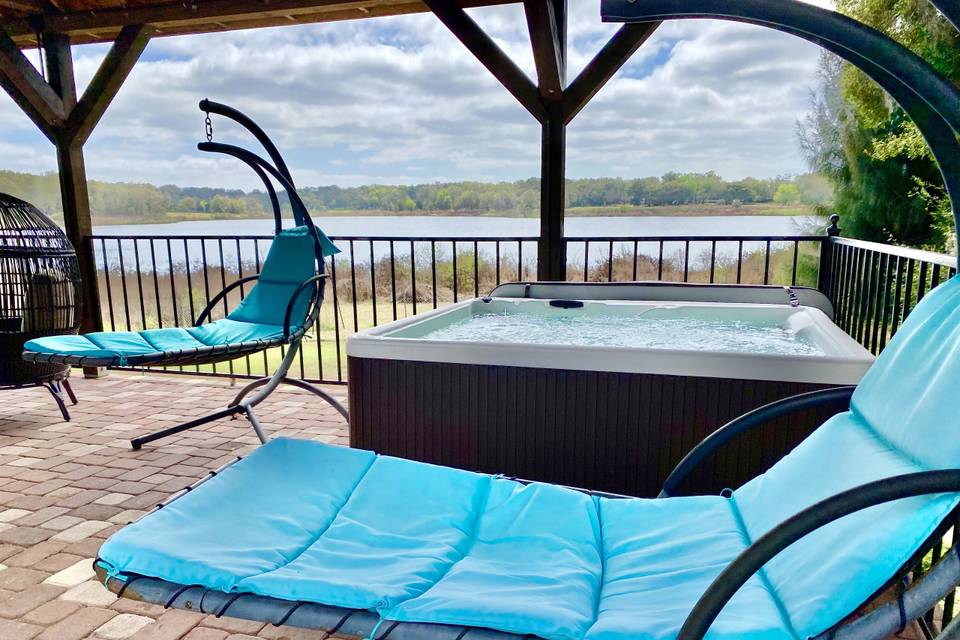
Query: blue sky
399 100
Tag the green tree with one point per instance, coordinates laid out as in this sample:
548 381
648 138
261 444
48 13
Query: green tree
787 193
887 183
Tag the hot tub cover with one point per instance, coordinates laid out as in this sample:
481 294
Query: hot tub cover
304 521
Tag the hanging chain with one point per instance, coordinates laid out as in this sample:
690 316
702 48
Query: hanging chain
208 125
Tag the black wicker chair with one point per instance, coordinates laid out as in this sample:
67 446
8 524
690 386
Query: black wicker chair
39 296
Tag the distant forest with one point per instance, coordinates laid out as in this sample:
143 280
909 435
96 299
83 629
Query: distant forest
148 202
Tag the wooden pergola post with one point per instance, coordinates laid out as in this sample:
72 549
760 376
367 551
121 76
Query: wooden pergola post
551 101
67 121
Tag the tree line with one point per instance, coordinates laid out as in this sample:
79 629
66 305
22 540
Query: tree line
145 200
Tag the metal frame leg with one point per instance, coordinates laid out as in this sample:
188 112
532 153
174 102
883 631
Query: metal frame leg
69 389
56 390
236 407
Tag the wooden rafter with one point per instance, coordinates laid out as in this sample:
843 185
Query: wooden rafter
608 60
490 55
28 88
113 71
546 38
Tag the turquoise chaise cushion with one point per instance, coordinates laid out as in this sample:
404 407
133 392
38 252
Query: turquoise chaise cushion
258 318
299 520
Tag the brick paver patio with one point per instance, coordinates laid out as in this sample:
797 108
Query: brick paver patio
67 486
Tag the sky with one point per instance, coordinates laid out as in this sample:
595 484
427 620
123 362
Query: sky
400 101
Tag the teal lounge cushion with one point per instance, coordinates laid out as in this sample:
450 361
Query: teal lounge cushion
121 345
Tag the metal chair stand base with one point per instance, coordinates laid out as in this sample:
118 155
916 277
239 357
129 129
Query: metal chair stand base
240 406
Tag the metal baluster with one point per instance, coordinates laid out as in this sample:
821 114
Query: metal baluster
413 276
586 260
433 270
336 318
156 282
243 294
123 287
660 263
766 264
136 258
610 262
796 255
373 280
455 273
353 286
713 259
897 301
106 279
686 260
476 270
393 281
739 261
635 249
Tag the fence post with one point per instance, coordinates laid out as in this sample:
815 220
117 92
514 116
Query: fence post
824 275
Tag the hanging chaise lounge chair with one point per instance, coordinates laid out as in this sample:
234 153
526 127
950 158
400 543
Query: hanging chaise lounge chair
339 539
279 309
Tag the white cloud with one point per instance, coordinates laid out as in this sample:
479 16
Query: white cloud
401 100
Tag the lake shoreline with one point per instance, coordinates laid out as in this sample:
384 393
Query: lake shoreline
766 209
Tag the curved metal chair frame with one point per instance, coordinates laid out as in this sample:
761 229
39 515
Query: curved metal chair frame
292 333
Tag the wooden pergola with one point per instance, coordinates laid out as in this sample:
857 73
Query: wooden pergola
67 119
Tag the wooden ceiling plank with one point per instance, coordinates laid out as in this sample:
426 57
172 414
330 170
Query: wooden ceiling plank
604 65
28 88
106 82
490 55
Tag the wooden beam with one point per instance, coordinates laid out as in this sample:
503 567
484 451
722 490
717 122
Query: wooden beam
113 71
548 35
608 60
547 41
28 88
490 55
179 18
73 182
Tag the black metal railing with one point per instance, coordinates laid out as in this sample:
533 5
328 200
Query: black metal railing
875 286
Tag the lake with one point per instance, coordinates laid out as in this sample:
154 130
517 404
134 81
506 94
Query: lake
197 243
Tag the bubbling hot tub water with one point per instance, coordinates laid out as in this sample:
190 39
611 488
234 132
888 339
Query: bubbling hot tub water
643 331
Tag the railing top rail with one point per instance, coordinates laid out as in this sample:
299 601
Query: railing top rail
332 237
408 238
903 252
693 238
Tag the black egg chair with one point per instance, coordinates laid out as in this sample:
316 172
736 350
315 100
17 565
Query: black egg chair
39 296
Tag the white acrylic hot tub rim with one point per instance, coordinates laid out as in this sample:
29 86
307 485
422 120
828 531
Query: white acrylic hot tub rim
845 362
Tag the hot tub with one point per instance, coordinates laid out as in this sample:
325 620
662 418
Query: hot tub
597 386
